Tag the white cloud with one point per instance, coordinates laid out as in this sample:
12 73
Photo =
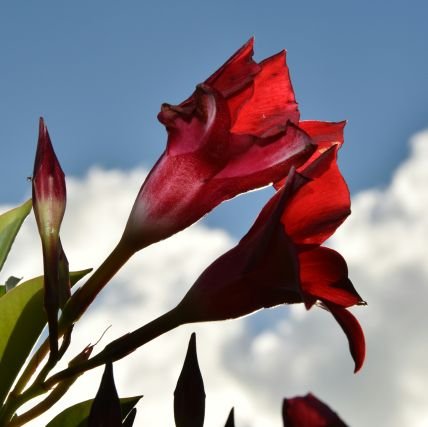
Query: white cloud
252 363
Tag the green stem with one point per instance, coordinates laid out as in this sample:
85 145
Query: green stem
14 402
122 346
83 297
74 309
31 368
45 404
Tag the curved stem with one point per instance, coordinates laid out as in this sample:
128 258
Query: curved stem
84 296
76 306
74 309
31 368
122 346
11 405
44 405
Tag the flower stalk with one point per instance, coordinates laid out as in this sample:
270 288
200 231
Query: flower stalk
122 346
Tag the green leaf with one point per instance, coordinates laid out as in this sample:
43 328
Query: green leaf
77 415
22 319
10 223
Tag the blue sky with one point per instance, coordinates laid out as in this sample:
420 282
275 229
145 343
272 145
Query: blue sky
98 72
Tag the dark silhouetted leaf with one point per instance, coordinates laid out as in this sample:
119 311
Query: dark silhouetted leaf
189 394
231 419
105 410
129 420
77 415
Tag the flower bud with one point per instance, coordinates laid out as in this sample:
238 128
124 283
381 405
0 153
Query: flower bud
49 200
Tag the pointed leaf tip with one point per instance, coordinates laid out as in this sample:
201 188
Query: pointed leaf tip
105 410
231 419
189 394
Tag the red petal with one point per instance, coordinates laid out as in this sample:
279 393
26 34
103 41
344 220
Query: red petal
239 99
260 272
268 158
353 331
236 73
308 411
320 206
207 129
325 134
245 279
324 275
273 103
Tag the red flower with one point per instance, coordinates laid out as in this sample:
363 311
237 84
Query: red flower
308 411
280 260
238 131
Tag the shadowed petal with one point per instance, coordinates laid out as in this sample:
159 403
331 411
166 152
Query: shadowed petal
324 275
308 411
353 332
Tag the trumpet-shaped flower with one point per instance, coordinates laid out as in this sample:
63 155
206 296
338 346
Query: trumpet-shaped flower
281 260
238 131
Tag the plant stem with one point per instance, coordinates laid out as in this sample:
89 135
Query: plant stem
44 405
122 346
84 296
30 369
12 404
74 309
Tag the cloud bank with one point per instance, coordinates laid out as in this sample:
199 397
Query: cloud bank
252 363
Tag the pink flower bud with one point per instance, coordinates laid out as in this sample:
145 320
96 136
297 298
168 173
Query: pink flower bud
49 199
49 192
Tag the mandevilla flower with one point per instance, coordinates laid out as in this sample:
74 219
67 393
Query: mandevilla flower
49 199
308 411
238 131
281 260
